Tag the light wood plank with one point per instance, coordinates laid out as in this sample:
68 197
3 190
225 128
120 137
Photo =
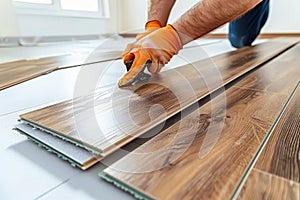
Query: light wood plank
128 116
159 169
260 185
280 155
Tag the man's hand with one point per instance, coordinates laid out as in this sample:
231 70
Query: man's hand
157 47
149 28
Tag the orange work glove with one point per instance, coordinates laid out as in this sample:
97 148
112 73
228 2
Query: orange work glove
149 28
156 48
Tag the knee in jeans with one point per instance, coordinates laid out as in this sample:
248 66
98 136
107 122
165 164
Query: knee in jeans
239 41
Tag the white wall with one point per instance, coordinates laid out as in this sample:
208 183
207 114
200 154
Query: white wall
8 19
133 15
13 23
284 15
32 25
126 15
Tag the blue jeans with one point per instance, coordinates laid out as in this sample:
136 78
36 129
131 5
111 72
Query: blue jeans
244 30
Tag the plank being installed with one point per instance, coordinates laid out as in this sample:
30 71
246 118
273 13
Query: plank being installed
207 153
105 121
262 185
16 72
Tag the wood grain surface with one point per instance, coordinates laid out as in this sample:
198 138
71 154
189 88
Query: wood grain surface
164 168
262 185
124 114
16 72
280 155
286 71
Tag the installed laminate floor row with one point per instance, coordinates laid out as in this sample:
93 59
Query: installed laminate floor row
206 154
16 72
280 155
276 174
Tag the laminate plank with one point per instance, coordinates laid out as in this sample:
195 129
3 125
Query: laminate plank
16 72
171 165
125 114
280 155
19 71
77 157
275 79
260 185
167 167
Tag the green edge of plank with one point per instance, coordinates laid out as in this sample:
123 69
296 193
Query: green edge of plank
135 193
51 150
60 136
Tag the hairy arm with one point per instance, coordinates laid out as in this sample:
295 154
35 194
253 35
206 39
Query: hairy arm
208 15
160 10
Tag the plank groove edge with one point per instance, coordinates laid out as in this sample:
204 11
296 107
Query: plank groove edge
253 164
280 154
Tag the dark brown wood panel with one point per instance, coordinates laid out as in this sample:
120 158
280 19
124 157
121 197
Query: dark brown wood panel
250 114
261 185
124 113
280 155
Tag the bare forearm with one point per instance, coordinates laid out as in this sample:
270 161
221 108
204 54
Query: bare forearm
160 10
208 15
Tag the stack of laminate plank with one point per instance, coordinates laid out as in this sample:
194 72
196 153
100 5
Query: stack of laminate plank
206 154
